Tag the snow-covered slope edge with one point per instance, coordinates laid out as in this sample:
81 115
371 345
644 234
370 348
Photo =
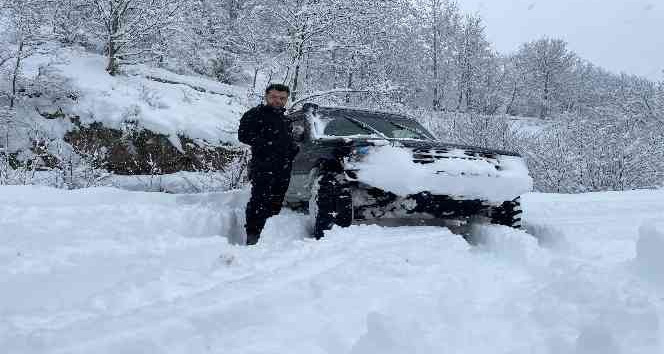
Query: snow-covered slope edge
156 99
145 129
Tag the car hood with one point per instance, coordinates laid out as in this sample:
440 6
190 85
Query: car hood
423 145
462 172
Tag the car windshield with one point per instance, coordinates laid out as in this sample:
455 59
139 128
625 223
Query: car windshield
367 123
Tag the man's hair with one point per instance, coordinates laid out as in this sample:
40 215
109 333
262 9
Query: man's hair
277 87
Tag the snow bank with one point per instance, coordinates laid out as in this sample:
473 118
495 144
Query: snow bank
650 250
156 99
603 224
230 207
178 183
548 236
392 169
513 245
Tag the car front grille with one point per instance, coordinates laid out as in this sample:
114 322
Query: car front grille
428 156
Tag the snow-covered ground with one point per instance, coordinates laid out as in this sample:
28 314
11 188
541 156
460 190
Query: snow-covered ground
110 271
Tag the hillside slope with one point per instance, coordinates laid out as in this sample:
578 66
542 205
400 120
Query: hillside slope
109 271
156 99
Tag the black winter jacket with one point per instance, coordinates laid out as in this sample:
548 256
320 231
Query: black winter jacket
269 133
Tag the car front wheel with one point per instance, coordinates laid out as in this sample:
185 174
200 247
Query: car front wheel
508 214
331 202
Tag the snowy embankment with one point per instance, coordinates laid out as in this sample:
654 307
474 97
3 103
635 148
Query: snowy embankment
155 99
108 271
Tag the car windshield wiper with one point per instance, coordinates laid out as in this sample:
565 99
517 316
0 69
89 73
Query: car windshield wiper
412 130
368 127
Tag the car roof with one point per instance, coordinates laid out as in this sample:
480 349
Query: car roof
350 110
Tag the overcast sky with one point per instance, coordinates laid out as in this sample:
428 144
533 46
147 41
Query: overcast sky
619 35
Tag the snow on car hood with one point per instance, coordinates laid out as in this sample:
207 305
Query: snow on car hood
393 169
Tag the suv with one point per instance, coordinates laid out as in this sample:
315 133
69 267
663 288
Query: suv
365 166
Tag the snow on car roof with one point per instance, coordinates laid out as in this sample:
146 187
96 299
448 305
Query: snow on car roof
361 110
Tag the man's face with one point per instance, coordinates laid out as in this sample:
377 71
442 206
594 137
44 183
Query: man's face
277 99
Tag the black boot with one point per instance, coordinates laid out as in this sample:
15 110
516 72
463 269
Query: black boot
252 238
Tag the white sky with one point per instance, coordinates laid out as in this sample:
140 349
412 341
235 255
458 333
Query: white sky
619 35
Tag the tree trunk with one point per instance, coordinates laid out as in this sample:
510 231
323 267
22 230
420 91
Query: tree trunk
17 68
436 99
461 89
112 67
461 75
510 106
296 75
545 98
349 85
469 93
233 15
253 83
269 77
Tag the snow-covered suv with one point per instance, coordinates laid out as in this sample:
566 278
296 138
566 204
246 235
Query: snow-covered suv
358 165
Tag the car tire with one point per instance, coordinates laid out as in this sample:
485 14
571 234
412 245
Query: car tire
331 202
508 214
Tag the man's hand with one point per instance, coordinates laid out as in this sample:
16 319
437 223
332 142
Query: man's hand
298 133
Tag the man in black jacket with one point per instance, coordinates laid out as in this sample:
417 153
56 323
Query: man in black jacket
269 133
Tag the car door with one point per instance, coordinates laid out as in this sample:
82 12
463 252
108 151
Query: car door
304 162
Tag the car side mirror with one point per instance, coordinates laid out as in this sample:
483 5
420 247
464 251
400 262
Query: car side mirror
299 133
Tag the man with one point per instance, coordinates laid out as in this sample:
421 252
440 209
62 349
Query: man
269 133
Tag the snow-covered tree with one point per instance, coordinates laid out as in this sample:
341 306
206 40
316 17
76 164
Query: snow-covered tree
308 27
260 42
547 67
129 27
440 28
443 26
473 49
369 54
69 20
22 38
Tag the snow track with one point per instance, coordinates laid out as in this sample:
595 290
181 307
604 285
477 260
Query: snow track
107 271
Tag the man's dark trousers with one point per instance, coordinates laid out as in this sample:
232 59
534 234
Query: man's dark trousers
268 189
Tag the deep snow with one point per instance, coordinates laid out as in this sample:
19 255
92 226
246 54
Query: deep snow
110 271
